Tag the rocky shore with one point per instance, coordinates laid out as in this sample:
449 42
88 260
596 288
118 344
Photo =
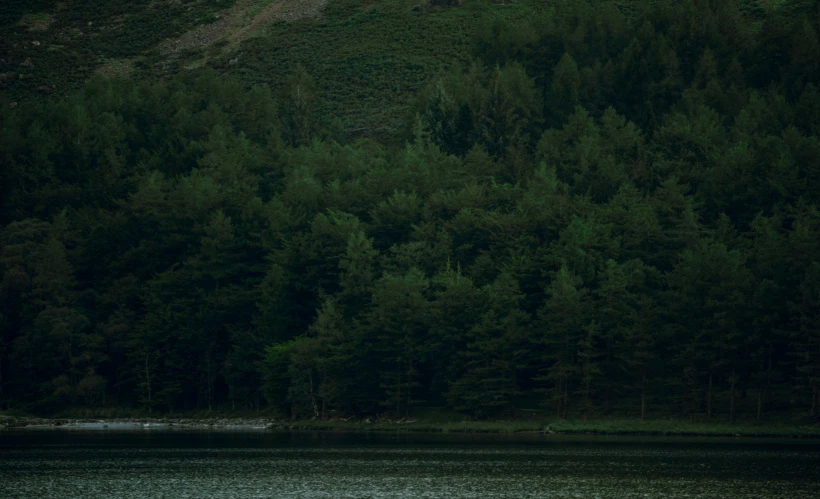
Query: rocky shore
8 422
216 423
602 427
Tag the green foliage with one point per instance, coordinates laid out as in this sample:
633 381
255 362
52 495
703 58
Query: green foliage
612 208
274 368
298 111
497 345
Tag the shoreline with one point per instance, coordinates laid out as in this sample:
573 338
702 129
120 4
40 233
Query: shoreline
657 428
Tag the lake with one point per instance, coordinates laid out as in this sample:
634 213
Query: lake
175 464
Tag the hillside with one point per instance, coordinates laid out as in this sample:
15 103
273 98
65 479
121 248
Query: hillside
584 207
369 58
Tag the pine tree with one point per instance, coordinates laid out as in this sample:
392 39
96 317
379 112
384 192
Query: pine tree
566 82
507 110
560 328
398 323
298 108
495 350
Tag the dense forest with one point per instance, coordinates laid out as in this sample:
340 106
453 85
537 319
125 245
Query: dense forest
599 212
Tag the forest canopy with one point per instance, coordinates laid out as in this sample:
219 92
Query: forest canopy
592 214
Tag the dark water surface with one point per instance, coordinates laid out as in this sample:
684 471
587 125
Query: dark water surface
154 464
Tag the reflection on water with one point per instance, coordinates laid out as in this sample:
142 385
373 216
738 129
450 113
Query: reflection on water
55 464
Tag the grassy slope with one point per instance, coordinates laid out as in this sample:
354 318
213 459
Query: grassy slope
369 57
73 41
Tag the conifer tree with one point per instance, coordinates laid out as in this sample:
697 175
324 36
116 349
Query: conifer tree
562 319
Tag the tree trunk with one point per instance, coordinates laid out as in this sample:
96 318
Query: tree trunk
759 403
566 398
148 384
72 375
313 398
398 394
769 377
709 399
732 398
815 400
409 387
210 390
643 398
559 393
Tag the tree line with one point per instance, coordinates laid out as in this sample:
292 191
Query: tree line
596 213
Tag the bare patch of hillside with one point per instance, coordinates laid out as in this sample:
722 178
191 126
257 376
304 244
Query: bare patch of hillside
245 19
